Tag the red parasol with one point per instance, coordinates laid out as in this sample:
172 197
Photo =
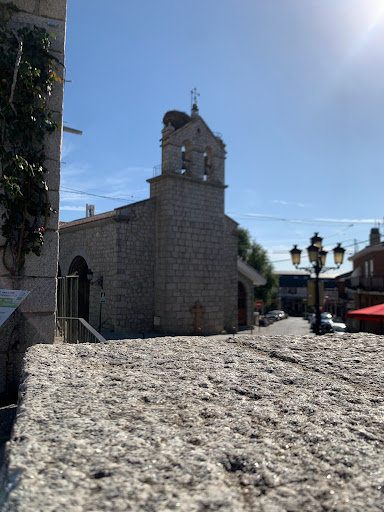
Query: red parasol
372 313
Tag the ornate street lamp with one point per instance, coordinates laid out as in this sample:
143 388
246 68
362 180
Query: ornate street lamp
317 257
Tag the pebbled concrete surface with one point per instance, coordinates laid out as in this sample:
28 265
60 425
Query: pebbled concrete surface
251 423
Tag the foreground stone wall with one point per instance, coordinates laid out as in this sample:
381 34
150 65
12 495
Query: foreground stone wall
34 321
194 424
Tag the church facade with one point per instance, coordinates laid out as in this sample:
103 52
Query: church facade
168 263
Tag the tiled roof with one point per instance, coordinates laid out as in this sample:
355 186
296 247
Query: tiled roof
86 220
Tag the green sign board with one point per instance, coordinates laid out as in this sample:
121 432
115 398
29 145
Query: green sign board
9 301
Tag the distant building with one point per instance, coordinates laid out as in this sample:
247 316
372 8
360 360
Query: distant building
346 295
292 292
367 278
366 282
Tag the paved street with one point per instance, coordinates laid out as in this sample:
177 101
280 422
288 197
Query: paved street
292 325
296 326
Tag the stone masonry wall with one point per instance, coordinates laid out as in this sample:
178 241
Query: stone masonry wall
95 241
134 280
229 261
195 256
119 246
34 321
197 138
250 299
189 253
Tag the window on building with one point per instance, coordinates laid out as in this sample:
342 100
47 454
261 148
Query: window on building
371 267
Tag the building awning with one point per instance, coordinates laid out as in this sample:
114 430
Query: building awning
250 273
372 313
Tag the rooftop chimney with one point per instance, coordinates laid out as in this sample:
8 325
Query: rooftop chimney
90 210
374 236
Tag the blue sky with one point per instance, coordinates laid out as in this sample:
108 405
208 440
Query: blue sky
294 86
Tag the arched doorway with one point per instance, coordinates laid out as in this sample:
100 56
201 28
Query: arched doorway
79 265
242 304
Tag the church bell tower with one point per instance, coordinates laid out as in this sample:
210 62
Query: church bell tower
190 272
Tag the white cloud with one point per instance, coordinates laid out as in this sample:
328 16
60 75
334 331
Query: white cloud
288 203
277 201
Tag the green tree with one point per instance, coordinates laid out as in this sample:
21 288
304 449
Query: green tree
244 243
254 254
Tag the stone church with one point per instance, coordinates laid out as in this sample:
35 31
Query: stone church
168 263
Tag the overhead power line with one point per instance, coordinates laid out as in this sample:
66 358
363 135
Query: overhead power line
257 216
81 192
305 256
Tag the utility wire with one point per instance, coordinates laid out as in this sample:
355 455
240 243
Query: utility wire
80 192
257 216
305 256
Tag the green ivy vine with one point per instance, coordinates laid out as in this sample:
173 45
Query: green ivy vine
27 77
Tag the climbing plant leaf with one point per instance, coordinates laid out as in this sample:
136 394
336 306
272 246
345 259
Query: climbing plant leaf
28 73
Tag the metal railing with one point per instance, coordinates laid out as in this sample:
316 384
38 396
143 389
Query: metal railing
67 296
76 330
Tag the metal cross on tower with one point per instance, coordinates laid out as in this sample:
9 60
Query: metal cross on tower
194 96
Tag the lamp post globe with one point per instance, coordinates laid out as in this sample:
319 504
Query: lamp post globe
338 253
295 255
322 257
313 252
317 241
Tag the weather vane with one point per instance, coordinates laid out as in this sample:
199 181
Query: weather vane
194 96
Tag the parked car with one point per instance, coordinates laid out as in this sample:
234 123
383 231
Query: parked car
276 314
339 327
326 323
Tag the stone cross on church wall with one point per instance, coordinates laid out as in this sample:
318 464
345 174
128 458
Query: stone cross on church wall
197 310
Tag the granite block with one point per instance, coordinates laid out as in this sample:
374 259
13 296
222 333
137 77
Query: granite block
42 296
44 265
24 5
56 9
57 28
53 141
56 99
52 177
